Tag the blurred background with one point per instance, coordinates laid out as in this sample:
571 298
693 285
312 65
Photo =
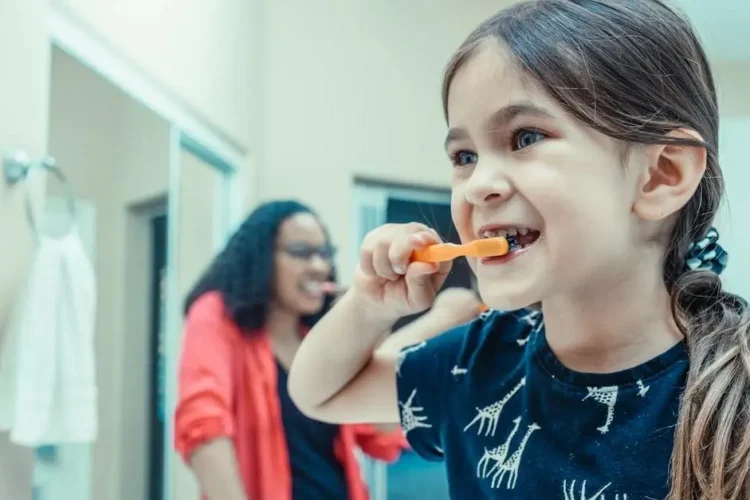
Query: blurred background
172 119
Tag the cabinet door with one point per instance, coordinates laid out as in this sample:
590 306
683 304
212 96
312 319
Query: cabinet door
24 84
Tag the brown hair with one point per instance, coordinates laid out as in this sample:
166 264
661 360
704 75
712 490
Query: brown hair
635 71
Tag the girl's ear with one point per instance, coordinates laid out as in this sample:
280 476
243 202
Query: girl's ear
671 177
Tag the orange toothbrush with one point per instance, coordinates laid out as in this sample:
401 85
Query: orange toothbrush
487 247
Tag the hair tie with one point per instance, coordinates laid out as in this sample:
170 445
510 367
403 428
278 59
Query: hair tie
707 254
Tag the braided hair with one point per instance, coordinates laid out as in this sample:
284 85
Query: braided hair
243 272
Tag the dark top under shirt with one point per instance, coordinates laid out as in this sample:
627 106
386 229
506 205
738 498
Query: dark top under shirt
316 473
492 400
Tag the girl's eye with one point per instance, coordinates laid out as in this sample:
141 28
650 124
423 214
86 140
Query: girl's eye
464 158
525 138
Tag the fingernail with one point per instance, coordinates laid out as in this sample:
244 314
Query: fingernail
399 270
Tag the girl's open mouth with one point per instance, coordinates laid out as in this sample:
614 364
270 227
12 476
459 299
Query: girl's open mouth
519 239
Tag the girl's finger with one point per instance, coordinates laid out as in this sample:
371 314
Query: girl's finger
402 247
381 263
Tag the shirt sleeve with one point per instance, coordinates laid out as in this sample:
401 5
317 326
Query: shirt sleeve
205 386
385 446
422 374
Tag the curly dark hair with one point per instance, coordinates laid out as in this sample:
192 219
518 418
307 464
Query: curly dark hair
243 272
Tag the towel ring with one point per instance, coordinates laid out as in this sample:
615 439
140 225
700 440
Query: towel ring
16 167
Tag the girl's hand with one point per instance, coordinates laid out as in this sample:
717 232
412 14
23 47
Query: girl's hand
387 284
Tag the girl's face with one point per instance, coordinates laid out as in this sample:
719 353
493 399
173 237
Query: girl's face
302 264
522 164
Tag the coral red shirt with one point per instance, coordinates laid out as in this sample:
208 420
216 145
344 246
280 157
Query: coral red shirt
228 387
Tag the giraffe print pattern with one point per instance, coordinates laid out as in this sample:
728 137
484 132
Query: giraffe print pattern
505 468
642 389
534 320
405 352
490 415
608 397
571 493
512 462
409 418
498 454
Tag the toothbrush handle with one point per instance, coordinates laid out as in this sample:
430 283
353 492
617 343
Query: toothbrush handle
437 253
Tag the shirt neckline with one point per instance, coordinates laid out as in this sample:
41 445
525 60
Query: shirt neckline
549 362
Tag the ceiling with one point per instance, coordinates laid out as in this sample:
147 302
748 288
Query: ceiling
724 26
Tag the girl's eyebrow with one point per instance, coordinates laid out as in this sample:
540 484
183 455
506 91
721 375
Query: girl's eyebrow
502 117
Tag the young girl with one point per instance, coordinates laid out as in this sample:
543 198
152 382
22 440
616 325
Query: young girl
588 131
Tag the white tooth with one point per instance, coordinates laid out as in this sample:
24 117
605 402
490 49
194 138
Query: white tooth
488 234
523 231
511 232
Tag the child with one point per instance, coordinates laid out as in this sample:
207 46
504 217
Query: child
588 130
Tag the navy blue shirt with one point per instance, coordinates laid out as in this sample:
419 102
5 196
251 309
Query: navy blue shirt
492 400
316 473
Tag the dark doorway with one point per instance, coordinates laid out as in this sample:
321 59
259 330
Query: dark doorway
157 354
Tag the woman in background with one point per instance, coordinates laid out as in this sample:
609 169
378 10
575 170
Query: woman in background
235 424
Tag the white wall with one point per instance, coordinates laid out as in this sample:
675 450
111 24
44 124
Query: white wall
200 51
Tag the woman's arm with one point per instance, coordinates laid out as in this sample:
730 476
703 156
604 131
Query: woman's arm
215 466
204 423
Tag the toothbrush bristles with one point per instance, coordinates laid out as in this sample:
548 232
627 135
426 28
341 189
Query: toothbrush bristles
512 242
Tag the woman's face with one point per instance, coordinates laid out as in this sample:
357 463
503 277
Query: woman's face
302 264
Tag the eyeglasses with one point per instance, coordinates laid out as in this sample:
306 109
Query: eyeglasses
305 251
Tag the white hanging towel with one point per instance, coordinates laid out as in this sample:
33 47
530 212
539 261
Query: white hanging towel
48 391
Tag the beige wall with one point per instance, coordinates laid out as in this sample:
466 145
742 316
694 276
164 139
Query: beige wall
353 88
115 153
732 82
200 51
